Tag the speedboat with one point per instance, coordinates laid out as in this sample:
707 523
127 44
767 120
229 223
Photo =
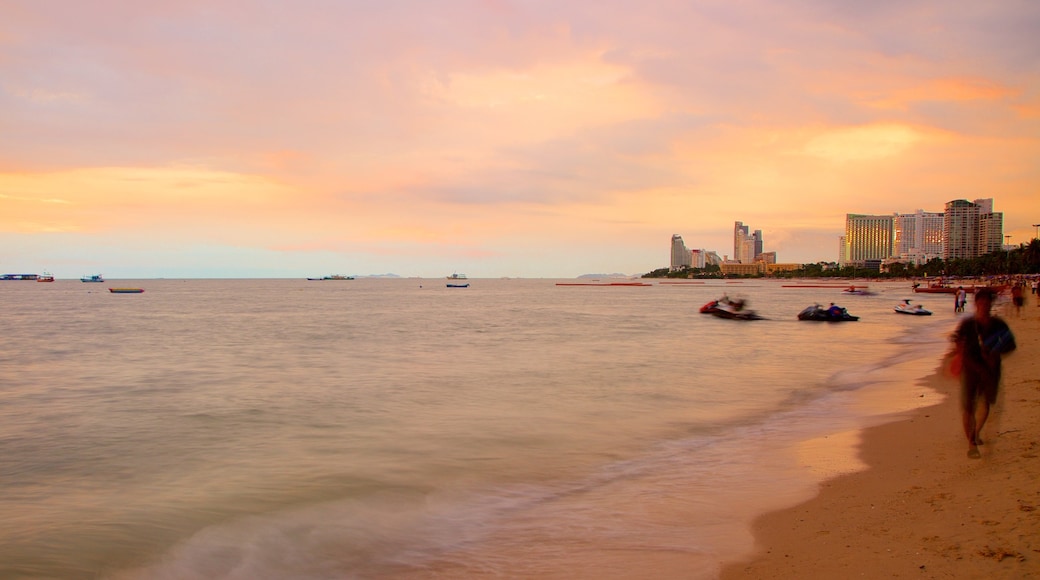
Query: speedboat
852 290
915 309
821 314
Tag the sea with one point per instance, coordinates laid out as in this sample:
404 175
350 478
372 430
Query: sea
384 428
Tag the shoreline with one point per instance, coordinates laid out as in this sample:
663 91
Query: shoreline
922 508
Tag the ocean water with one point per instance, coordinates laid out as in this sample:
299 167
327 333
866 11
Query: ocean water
396 428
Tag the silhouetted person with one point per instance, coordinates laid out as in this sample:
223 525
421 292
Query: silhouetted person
981 340
1017 298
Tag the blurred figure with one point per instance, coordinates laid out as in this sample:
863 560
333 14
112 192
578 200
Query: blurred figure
980 342
960 299
1017 298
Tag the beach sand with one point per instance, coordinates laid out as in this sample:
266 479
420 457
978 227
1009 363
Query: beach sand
923 509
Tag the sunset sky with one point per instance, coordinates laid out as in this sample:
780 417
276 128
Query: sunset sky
526 138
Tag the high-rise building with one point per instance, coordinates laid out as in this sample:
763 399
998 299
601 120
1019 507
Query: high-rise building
868 237
961 230
843 251
917 237
698 258
991 232
740 236
972 229
681 257
746 248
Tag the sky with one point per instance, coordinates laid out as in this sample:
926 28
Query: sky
496 138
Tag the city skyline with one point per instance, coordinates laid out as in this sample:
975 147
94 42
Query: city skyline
228 139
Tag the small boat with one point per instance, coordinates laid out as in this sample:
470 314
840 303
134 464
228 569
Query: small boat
915 309
852 290
126 290
820 314
94 278
333 277
449 285
45 277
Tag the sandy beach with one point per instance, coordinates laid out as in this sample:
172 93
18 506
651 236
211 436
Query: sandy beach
923 509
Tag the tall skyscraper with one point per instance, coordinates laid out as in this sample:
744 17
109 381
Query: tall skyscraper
868 237
961 230
681 256
740 236
746 248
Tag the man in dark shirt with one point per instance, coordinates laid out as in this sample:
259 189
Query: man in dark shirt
981 341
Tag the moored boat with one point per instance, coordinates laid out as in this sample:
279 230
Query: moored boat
94 278
126 290
450 285
45 277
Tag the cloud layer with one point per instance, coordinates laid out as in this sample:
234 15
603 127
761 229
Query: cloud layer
498 138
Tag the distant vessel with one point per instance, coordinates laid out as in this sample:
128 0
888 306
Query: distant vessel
450 285
45 277
457 277
18 277
94 278
126 290
333 277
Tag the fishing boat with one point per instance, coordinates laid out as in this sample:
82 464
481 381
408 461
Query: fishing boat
456 276
818 313
45 277
94 278
914 309
450 285
126 290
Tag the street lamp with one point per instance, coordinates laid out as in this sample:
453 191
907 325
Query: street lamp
1007 251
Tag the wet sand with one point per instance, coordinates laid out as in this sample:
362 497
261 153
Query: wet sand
923 509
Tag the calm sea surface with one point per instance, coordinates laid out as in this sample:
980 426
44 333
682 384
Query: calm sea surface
376 428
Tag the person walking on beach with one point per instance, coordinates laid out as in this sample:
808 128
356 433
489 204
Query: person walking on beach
980 342
1017 298
960 299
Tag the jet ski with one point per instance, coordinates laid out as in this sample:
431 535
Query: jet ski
820 314
914 309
